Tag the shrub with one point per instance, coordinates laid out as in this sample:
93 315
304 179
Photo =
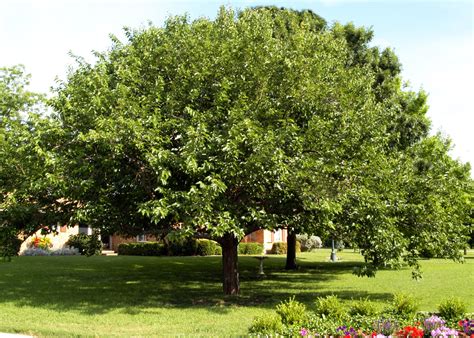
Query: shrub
182 247
35 252
206 247
452 309
142 249
331 307
404 305
66 251
309 243
291 312
266 325
281 248
250 249
87 245
363 307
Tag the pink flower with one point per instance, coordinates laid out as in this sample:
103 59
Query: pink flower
303 332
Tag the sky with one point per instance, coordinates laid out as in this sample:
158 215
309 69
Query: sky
433 39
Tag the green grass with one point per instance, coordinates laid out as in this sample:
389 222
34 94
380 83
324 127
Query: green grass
163 296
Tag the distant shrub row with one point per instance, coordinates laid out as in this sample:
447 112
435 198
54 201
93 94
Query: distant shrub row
189 247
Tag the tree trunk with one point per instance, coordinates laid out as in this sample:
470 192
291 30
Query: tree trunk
291 251
230 264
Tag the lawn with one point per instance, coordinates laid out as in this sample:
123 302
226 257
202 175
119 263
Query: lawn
163 296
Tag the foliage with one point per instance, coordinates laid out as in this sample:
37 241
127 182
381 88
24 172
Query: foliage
452 309
330 307
29 174
291 312
266 325
309 242
88 245
318 324
9 243
404 305
250 249
206 247
280 248
182 247
142 249
362 307
188 247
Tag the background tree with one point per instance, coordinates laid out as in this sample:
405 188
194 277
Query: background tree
28 184
405 110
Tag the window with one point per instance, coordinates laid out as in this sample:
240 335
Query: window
277 237
141 238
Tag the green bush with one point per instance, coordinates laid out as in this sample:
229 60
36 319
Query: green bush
142 249
266 325
331 307
363 307
404 305
309 243
250 249
206 247
292 312
281 248
88 245
182 247
452 309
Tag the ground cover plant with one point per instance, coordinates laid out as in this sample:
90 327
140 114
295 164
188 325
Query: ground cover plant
150 296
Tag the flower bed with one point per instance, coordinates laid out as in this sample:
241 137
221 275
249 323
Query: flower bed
332 318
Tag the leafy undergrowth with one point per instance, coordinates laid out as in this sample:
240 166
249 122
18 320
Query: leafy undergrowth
149 296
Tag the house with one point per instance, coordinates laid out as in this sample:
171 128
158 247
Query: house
265 237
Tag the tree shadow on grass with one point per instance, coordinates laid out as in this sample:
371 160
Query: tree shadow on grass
134 285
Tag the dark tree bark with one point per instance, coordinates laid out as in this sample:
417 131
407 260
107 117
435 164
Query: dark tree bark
291 251
230 264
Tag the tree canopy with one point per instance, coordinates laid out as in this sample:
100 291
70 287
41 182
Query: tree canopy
261 119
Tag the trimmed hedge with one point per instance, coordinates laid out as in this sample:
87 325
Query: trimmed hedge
250 249
188 247
142 249
281 248
206 247
184 247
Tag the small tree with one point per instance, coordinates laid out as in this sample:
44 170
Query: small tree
29 185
